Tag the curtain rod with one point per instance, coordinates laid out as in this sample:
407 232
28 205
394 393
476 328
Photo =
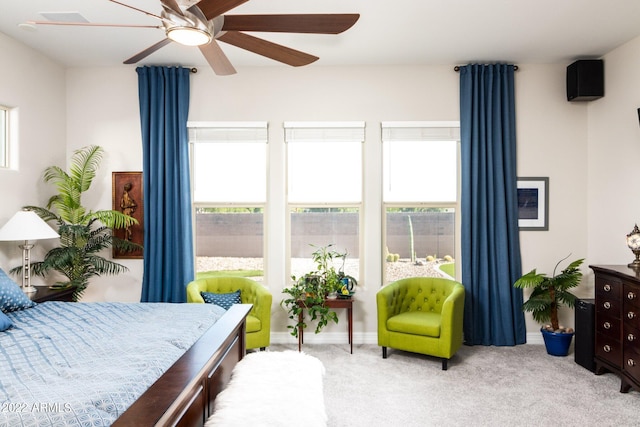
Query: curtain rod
193 70
457 68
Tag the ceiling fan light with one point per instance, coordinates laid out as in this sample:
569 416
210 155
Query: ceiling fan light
189 36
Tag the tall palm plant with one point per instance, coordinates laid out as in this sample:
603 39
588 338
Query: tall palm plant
83 233
549 293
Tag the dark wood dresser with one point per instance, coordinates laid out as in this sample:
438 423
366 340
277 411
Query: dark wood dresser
618 323
44 293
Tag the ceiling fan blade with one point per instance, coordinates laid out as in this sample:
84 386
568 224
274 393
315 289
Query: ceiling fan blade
266 48
91 24
173 5
217 59
148 51
213 8
294 23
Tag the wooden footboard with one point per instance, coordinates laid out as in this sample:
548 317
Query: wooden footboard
184 395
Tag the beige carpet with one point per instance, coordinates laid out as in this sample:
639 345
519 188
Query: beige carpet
484 386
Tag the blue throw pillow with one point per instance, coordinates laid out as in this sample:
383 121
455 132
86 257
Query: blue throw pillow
5 322
11 296
223 300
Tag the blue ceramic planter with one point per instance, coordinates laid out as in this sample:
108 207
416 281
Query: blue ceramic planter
556 344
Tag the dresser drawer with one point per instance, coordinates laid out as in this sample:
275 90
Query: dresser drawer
631 296
609 307
608 287
608 325
631 363
631 336
608 349
631 315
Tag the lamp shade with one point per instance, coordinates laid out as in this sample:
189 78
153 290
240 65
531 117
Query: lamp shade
26 225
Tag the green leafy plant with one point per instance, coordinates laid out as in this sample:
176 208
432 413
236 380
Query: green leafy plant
550 293
308 292
83 233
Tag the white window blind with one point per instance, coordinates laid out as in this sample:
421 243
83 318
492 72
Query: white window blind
324 162
420 131
420 161
229 161
324 131
227 131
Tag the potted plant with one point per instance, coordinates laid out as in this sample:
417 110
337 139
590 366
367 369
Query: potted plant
547 296
309 291
83 233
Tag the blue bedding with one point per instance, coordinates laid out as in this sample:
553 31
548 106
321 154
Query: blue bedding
84 364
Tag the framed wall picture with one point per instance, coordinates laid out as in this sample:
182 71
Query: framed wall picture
127 198
533 203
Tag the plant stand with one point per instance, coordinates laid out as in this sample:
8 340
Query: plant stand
332 303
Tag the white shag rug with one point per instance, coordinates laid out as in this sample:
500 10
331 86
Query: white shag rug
273 389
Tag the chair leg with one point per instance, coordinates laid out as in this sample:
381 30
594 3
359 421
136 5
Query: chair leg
263 348
384 352
444 364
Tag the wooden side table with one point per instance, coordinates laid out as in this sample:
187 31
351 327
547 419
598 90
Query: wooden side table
333 303
45 294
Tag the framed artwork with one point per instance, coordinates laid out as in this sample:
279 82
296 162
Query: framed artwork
127 198
533 203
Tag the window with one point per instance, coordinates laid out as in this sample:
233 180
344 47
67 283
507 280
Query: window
324 192
420 198
4 137
229 185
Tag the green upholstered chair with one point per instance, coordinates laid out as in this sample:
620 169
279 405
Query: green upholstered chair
258 333
421 315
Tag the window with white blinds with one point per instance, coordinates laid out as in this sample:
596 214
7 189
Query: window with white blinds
420 198
324 192
229 181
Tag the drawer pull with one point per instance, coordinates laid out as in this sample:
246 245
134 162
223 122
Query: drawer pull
630 362
607 305
606 348
631 315
607 325
631 337
631 295
606 287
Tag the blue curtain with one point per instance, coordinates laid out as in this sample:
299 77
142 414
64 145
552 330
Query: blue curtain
168 241
490 242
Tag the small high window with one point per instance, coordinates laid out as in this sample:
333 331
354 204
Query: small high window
4 137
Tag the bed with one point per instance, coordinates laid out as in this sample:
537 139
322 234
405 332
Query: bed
120 364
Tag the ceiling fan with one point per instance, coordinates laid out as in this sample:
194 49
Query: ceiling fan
203 24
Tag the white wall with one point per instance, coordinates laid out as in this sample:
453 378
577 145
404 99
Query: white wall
584 148
35 86
550 130
552 142
613 158
102 109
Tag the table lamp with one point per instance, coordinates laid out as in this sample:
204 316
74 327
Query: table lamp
26 225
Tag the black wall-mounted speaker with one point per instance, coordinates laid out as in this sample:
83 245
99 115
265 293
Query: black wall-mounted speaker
585 80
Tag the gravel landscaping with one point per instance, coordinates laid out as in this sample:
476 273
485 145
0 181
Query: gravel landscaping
299 266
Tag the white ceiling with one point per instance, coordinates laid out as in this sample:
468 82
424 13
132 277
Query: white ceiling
388 32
